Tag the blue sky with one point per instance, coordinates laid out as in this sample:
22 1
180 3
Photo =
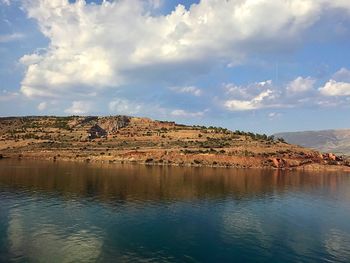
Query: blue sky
257 65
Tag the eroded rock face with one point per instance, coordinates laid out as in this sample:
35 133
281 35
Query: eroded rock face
113 124
332 157
82 121
279 162
96 132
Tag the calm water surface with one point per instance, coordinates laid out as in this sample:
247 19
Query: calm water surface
65 212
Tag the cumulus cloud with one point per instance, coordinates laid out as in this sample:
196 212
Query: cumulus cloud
301 85
342 75
99 46
156 3
11 37
300 92
5 2
79 107
338 86
31 59
8 95
187 114
124 107
274 115
131 107
253 96
188 89
253 104
42 106
335 88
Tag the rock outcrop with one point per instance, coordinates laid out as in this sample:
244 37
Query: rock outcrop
96 132
113 124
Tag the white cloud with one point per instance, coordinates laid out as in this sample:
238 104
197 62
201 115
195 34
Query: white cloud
335 88
188 89
5 2
274 115
342 75
131 108
8 95
251 97
11 37
300 92
156 3
107 45
301 85
79 107
42 106
187 114
31 59
124 107
338 86
257 102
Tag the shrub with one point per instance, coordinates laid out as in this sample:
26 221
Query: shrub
281 140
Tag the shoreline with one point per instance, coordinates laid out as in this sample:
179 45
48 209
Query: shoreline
123 139
306 167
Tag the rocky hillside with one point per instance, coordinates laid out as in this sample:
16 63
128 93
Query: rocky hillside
141 140
336 141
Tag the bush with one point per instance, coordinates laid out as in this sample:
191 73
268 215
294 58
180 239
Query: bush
281 140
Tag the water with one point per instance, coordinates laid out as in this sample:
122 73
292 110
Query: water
65 212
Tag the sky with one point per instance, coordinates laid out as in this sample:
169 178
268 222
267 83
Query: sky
255 65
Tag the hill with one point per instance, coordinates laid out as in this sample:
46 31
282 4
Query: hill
121 139
336 141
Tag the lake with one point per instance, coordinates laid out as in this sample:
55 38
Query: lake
76 212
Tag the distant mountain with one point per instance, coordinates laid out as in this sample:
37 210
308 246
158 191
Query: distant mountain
335 141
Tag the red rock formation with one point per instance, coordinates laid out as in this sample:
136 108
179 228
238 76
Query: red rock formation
332 157
279 163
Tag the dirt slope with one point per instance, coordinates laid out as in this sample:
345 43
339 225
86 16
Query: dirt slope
142 140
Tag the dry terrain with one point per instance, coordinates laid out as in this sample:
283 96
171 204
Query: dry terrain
140 140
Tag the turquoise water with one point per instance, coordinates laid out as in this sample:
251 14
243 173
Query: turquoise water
65 212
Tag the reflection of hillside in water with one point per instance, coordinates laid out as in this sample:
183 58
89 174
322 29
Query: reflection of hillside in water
142 183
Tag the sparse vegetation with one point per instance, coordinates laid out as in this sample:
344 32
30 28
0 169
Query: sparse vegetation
141 140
